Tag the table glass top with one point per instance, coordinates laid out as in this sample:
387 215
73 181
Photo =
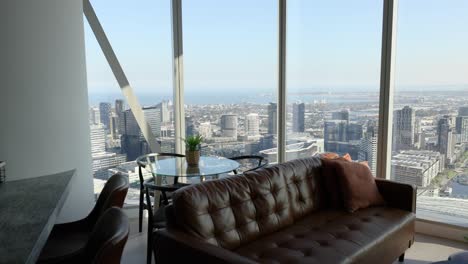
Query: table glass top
177 167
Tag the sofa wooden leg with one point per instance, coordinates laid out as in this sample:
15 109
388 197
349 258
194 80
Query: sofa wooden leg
401 258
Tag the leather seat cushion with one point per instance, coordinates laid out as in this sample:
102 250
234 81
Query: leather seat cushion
364 236
64 244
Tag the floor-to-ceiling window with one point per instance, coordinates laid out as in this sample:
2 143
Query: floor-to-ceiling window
333 78
140 35
430 118
333 62
230 75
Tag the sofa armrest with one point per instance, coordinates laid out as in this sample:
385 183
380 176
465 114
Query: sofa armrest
398 195
173 246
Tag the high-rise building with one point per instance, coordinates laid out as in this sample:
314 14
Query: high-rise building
101 159
353 131
252 125
463 111
165 114
404 128
130 125
114 126
462 128
189 126
132 141
335 130
445 138
94 116
341 115
272 118
105 110
153 117
368 146
119 109
462 123
98 138
228 125
418 167
298 117
205 130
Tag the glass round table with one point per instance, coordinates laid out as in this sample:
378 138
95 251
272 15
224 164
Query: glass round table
178 167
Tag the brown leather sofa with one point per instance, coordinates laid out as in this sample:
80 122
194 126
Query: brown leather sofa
279 215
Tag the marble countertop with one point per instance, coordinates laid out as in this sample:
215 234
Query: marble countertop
28 211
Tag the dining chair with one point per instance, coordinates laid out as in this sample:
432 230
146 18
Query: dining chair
145 162
249 163
106 241
156 218
68 239
108 238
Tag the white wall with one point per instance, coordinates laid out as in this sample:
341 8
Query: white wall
43 95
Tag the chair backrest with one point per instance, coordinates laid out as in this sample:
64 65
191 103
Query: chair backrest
113 194
147 162
108 238
249 163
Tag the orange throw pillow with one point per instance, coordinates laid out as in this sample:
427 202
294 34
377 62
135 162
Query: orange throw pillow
347 157
329 155
358 187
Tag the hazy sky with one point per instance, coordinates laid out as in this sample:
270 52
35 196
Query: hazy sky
233 44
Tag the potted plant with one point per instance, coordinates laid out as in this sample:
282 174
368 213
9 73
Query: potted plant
192 152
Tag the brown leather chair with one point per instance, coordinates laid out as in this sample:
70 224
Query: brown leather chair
69 239
107 240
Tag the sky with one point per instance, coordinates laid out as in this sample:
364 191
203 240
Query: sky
232 45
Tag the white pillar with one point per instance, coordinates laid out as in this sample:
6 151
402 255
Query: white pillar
43 95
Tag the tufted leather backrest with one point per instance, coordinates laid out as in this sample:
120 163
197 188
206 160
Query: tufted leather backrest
236 210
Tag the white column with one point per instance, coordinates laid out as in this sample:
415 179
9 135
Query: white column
43 96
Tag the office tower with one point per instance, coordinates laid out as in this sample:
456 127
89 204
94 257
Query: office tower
462 128
105 110
98 138
153 117
445 140
228 125
272 118
132 141
462 123
114 126
205 130
119 109
335 130
130 124
252 125
165 114
189 126
404 128
102 160
463 111
353 131
298 117
267 142
94 116
342 115
368 146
